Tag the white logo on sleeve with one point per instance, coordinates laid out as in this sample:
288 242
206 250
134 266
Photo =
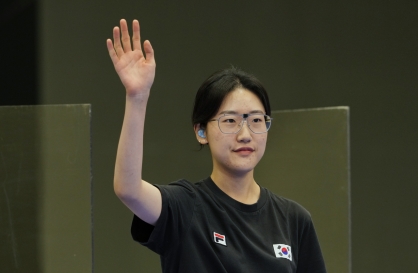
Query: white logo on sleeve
219 238
283 251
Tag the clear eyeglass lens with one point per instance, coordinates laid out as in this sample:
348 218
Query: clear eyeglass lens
230 124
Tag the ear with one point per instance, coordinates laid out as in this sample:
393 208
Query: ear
200 136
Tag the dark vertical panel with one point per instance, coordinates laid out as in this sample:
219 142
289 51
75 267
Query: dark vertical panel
19 52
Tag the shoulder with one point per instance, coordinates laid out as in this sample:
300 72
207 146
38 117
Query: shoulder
290 208
181 185
181 189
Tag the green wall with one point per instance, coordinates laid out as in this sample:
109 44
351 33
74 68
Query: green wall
308 54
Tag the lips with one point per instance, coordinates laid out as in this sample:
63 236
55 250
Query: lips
244 149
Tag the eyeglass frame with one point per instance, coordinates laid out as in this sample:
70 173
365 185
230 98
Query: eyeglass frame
244 118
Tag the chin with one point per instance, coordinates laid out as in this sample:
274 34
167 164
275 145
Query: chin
242 170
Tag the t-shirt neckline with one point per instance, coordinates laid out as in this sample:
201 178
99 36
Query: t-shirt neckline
234 203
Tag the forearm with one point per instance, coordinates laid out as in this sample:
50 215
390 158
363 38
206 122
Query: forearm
128 167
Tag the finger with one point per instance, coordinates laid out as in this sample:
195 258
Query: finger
116 41
136 36
126 40
111 50
149 52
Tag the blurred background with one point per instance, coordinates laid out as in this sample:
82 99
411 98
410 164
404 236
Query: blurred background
361 54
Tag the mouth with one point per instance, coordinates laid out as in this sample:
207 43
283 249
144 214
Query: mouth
244 149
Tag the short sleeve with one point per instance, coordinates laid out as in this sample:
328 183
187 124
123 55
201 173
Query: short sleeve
310 259
178 201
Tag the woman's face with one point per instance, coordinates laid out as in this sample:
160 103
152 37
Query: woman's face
236 154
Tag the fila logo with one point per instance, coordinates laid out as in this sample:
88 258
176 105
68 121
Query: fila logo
219 238
283 251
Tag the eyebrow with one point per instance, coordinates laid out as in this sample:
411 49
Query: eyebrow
236 113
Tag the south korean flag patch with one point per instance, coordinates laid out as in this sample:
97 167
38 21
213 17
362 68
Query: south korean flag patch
283 251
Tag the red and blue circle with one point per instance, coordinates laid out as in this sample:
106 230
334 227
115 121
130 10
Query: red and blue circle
284 251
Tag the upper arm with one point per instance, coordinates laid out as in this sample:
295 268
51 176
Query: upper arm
145 202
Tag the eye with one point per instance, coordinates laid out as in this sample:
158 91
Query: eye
229 120
258 119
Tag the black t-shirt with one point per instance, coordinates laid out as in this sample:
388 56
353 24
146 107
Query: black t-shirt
202 229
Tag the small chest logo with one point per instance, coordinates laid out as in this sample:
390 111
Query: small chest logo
283 251
219 238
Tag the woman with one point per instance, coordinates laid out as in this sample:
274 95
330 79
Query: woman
226 222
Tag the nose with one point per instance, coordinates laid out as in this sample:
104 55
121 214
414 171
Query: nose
244 135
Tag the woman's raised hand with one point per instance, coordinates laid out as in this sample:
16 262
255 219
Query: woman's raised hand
136 70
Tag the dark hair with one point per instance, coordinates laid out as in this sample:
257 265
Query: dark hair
214 89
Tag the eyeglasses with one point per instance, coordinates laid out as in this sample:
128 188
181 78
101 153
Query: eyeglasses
232 123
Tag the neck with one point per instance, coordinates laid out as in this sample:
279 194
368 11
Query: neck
242 188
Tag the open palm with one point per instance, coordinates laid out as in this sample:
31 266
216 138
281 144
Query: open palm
136 70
